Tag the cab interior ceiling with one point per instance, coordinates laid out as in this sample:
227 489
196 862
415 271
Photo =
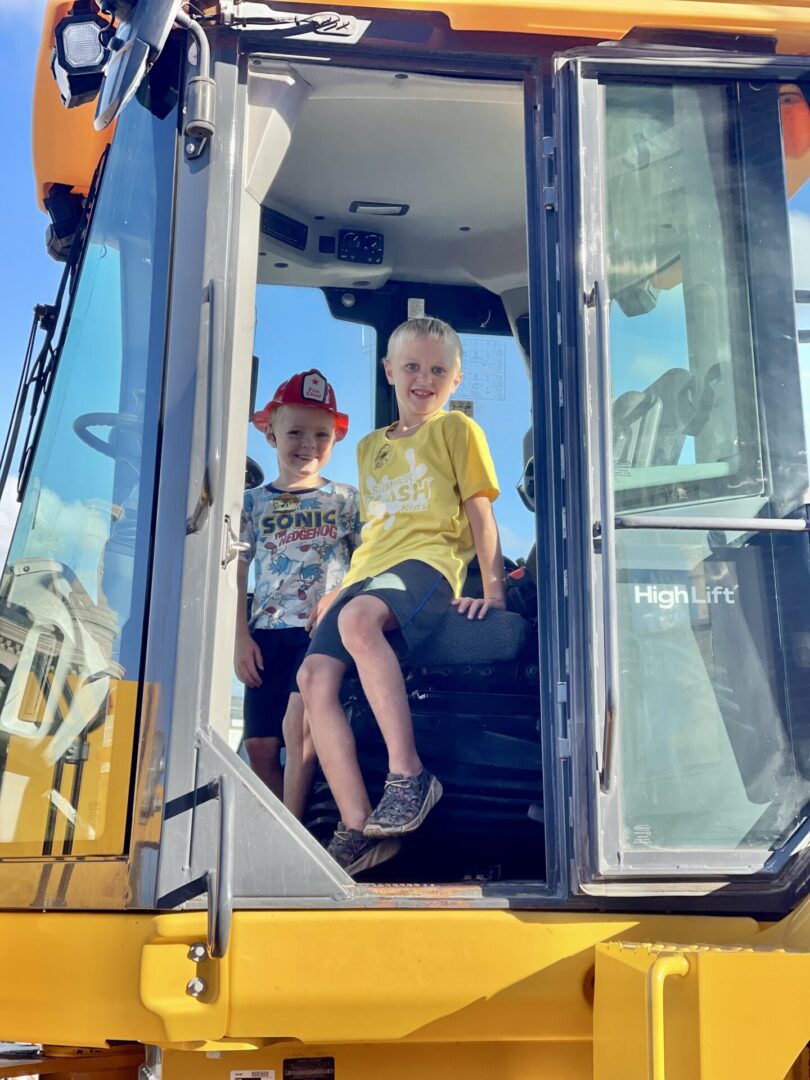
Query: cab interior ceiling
449 150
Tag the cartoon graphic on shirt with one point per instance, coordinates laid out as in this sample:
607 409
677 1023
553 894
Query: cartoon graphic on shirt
302 544
408 493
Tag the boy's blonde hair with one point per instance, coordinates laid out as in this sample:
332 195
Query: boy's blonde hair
437 329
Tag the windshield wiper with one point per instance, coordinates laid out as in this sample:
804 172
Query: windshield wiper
36 375
36 378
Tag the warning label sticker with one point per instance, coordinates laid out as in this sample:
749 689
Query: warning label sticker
253 1074
461 405
321 1068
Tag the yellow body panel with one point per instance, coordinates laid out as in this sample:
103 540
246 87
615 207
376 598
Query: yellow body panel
38 784
453 990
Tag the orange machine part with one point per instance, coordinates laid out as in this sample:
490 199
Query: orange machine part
66 145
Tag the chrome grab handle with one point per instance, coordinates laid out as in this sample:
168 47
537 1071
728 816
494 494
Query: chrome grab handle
708 524
601 303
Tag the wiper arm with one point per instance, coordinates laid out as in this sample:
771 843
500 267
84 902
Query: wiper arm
36 373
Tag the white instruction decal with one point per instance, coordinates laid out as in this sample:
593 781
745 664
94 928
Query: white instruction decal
416 307
484 368
253 1074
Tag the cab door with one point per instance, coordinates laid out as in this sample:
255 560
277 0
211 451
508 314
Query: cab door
686 465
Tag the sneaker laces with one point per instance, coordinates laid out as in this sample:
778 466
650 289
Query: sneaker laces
399 782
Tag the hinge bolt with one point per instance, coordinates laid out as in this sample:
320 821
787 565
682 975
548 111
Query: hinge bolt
195 987
197 952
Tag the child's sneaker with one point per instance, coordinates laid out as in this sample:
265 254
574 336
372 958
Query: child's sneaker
406 802
355 852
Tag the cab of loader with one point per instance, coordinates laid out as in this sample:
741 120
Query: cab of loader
608 230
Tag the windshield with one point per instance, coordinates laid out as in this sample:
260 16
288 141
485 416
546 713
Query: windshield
73 592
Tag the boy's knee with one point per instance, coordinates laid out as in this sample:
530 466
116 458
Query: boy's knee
361 624
306 676
314 676
263 751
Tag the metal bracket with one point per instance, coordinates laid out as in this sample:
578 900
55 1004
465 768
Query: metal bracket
232 546
219 880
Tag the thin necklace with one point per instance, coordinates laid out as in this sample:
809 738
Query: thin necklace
397 426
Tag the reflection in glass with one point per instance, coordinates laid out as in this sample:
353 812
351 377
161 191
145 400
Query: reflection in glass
685 408
715 738
73 591
714 641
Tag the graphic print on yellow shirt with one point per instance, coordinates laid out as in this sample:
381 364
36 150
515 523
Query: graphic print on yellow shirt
411 495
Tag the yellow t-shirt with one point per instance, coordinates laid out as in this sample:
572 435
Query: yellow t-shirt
411 495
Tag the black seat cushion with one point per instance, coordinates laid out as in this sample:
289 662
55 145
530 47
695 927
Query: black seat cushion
497 638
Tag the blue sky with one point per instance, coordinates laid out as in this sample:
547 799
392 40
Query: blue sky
27 274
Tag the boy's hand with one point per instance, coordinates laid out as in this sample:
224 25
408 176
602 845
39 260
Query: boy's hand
247 661
319 611
478 607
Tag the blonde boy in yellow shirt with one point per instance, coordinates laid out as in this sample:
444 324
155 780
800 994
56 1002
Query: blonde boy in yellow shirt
427 484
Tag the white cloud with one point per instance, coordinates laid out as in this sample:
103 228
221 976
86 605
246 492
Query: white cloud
9 508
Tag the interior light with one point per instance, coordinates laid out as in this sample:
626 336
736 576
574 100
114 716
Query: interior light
379 209
80 55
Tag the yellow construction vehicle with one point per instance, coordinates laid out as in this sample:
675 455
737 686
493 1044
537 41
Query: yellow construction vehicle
609 202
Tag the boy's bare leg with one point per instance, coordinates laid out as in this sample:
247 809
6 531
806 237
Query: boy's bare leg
319 679
300 761
363 622
265 760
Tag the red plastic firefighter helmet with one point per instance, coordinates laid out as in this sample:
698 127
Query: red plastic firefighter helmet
310 388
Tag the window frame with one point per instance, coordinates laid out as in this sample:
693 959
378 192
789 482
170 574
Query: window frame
778 877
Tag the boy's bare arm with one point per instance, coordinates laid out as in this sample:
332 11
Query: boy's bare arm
490 560
247 656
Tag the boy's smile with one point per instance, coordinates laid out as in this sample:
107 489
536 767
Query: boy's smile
304 438
424 373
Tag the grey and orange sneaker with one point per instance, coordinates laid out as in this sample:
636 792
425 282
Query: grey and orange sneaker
406 802
355 852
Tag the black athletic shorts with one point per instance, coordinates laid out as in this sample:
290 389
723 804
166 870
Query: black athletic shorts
265 705
417 595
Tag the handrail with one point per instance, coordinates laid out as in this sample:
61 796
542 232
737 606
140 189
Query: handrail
671 964
196 518
601 303
219 881
707 524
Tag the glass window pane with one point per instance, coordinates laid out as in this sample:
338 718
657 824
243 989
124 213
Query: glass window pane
496 392
685 421
74 589
714 748
714 742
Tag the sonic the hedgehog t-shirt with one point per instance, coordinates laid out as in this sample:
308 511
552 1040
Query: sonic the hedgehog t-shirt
302 542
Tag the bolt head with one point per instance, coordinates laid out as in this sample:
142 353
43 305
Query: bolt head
197 952
195 987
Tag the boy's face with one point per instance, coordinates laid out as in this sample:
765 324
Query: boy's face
424 373
303 437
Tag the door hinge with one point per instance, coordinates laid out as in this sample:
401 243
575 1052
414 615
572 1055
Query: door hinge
232 546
